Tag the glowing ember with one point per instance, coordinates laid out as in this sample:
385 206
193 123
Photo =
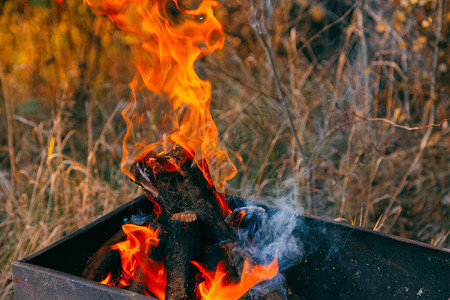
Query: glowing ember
216 286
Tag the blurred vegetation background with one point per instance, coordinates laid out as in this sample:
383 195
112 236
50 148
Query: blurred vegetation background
302 94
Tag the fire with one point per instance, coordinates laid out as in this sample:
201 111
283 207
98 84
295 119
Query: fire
169 36
135 251
216 286
237 219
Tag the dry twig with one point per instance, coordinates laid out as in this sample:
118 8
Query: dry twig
384 120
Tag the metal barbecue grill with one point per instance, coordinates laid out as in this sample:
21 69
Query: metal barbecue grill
340 262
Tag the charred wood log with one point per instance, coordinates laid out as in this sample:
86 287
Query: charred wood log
220 253
176 183
104 260
173 180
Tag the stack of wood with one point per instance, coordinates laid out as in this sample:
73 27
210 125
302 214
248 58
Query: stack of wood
190 219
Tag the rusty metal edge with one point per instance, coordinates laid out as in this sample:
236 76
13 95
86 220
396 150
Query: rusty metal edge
112 292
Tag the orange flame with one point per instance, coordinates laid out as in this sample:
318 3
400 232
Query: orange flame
237 219
134 251
216 287
169 36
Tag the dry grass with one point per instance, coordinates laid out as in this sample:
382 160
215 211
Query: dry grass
64 83
355 169
64 179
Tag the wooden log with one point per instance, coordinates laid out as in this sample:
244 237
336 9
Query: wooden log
183 188
137 284
104 260
215 225
172 180
178 185
220 253
183 246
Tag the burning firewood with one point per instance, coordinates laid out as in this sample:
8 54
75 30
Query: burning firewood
183 246
105 260
176 183
190 225
186 201
187 248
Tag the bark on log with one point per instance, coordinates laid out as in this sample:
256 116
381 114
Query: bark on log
183 246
